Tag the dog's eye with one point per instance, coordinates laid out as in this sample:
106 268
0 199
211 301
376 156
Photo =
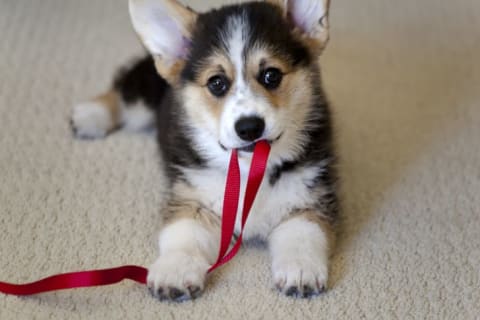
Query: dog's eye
270 78
218 85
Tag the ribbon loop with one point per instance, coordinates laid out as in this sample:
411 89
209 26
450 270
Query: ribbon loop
255 178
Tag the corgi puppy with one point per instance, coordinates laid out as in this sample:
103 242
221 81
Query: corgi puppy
218 81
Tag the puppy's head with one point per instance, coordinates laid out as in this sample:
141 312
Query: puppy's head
241 73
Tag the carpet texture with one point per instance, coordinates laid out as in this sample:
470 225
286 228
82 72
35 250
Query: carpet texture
404 80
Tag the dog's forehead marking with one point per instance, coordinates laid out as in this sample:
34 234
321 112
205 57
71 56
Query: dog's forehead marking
237 38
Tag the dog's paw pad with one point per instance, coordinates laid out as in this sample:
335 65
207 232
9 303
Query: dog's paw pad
195 291
300 277
91 120
177 277
177 294
292 291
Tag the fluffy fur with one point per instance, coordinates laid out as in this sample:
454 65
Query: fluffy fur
296 208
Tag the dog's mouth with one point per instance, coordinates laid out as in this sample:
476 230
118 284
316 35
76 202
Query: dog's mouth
251 146
248 148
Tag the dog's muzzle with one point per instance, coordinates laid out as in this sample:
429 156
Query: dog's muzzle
250 128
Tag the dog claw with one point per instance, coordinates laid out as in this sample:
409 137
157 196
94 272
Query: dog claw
176 294
304 292
194 291
308 291
292 291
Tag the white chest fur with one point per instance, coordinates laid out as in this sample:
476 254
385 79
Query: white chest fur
272 205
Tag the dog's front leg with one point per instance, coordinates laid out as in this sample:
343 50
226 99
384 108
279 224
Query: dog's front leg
300 248
188 243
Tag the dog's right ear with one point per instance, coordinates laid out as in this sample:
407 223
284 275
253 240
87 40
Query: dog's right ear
310 17
165 27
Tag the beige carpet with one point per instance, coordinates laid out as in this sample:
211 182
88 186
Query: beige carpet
404 77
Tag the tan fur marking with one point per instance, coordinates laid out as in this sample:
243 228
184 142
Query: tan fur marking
185 209
199 91
315 46
293 83
203 100
212 66
110 101
186 17
269 60
215 104
294 90
171 73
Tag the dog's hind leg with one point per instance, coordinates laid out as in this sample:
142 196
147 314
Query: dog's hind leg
136 93
96 118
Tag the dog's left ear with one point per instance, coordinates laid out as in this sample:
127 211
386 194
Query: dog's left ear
310 17
164 27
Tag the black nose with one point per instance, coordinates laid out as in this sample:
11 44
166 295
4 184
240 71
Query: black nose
250 128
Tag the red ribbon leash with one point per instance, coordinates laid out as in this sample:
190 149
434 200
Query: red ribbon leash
77 280
232 189
232 195
139 274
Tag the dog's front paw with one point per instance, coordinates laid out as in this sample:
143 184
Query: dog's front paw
177 277
300 276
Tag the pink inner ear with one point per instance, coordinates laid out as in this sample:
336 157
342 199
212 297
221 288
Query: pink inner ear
170 36
183 52
306 14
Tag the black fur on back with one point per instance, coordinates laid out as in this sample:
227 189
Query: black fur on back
140 81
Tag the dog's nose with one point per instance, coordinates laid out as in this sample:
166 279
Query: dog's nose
250 128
